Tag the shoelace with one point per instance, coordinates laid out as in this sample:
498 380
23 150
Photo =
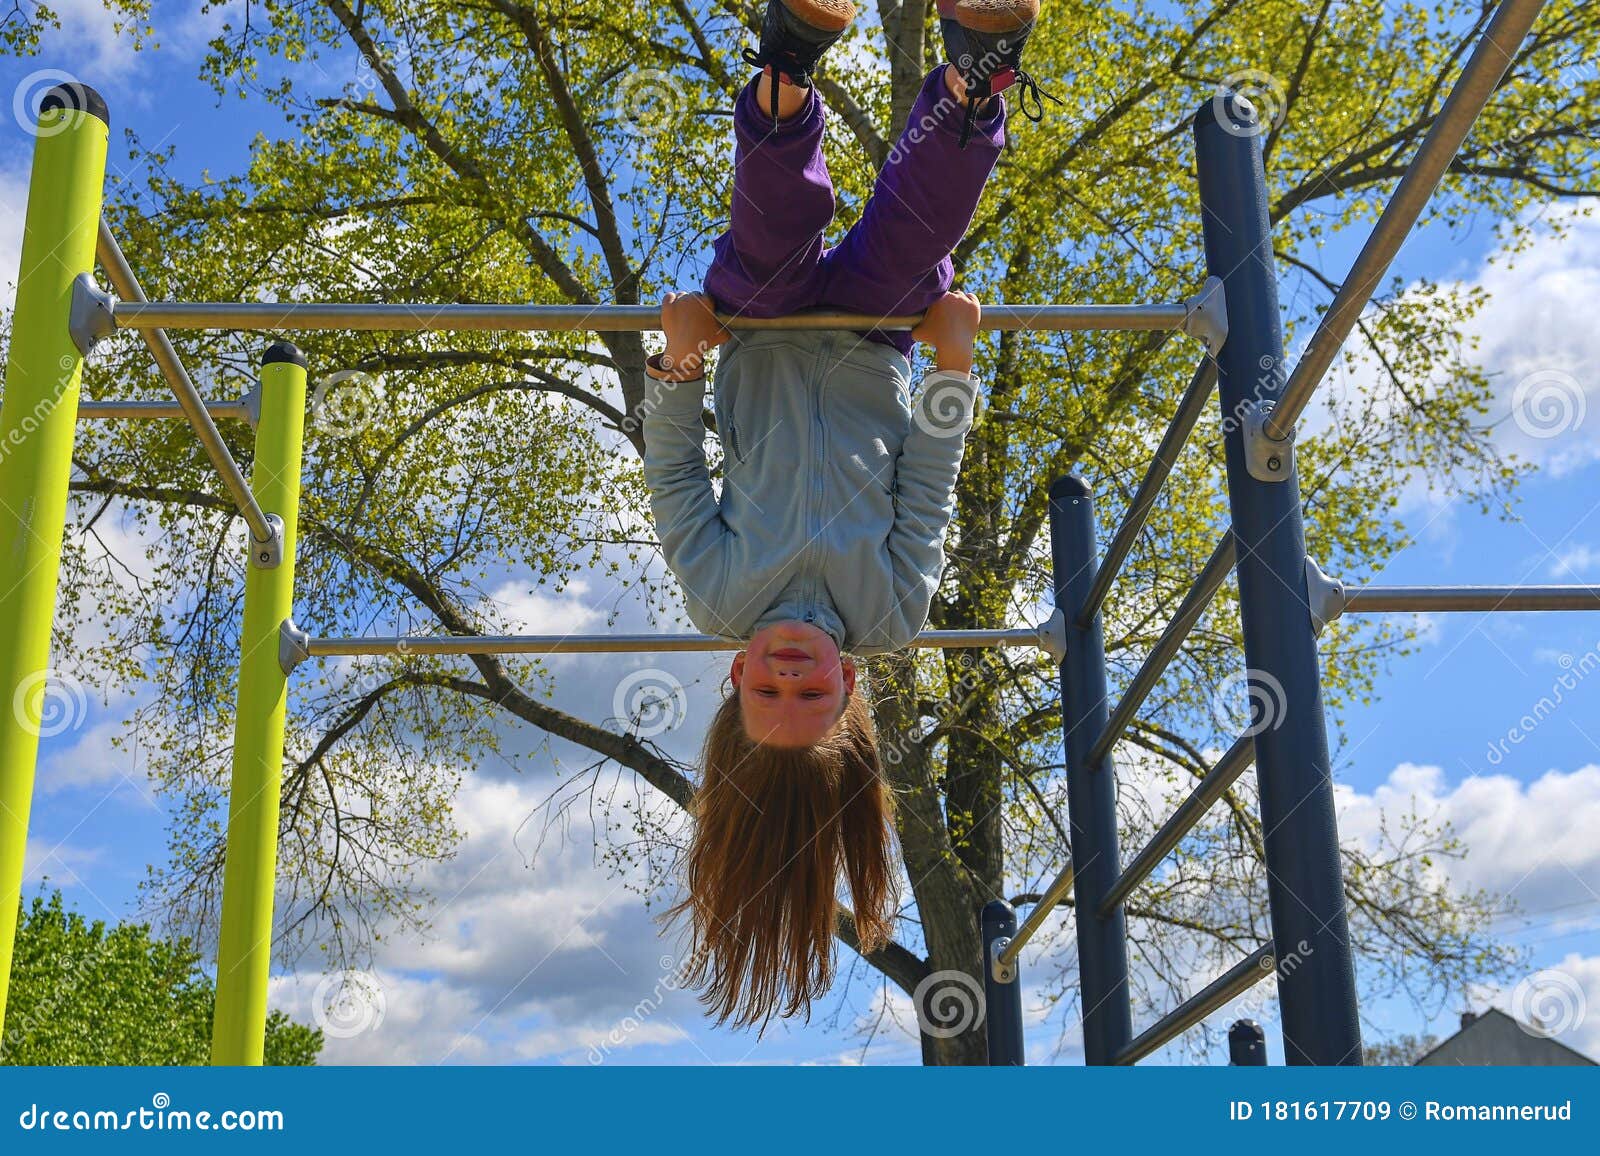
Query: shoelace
755 60
1026 87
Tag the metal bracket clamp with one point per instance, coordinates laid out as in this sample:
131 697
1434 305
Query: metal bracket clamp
1053 636
1325 596
1001 972
1268 459
1207 318
92 314
251 402
294 646
268 555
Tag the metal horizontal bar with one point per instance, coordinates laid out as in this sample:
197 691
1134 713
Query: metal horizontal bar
1447 599
189 399
1218 779
617 643
98 410
1194 603
1477 83
1048 902
1241 977
298 315
1172 443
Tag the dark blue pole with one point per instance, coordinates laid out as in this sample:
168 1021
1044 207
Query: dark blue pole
1091 787
1316 979
1247 1045
1002 989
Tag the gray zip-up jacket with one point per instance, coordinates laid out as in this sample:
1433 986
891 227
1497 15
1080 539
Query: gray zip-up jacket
836 491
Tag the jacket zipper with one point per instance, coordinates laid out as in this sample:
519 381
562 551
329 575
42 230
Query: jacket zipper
818 456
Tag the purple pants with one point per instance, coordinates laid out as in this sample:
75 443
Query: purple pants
773 260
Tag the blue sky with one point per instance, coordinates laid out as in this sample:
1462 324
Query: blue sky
552 964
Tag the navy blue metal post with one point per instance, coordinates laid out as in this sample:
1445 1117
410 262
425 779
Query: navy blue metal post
1002 988
1247 1045
1316 979
1091 786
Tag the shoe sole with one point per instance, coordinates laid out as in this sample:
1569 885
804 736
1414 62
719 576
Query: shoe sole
828 15
994 15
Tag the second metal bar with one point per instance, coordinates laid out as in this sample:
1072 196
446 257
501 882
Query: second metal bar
1488 63
616 643
1223 775
413 318
1149 673
1488 599
1241 977
1048 902
1172 443
194 406
104 410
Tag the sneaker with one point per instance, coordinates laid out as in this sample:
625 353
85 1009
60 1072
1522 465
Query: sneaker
794 35
984 39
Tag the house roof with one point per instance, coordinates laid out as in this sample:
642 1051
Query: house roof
1490 1039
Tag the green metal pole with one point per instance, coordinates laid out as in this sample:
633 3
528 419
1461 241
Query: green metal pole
37 423
244 953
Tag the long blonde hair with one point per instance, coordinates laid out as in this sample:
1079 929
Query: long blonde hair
774 830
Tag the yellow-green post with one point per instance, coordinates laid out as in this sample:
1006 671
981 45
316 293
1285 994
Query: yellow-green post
37 422
244 953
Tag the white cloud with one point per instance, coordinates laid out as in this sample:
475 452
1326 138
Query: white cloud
530 957
1562 997
13 211
1535 339
62 863
1577 561
1531 843
533 611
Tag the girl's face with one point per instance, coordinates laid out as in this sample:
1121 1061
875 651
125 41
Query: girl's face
792 684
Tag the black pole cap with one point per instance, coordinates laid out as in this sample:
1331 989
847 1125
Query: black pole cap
1247 1044
1069 486
74 94
997 910
1230 110
284 351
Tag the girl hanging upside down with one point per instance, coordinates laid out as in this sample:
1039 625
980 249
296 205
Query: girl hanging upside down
837 489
